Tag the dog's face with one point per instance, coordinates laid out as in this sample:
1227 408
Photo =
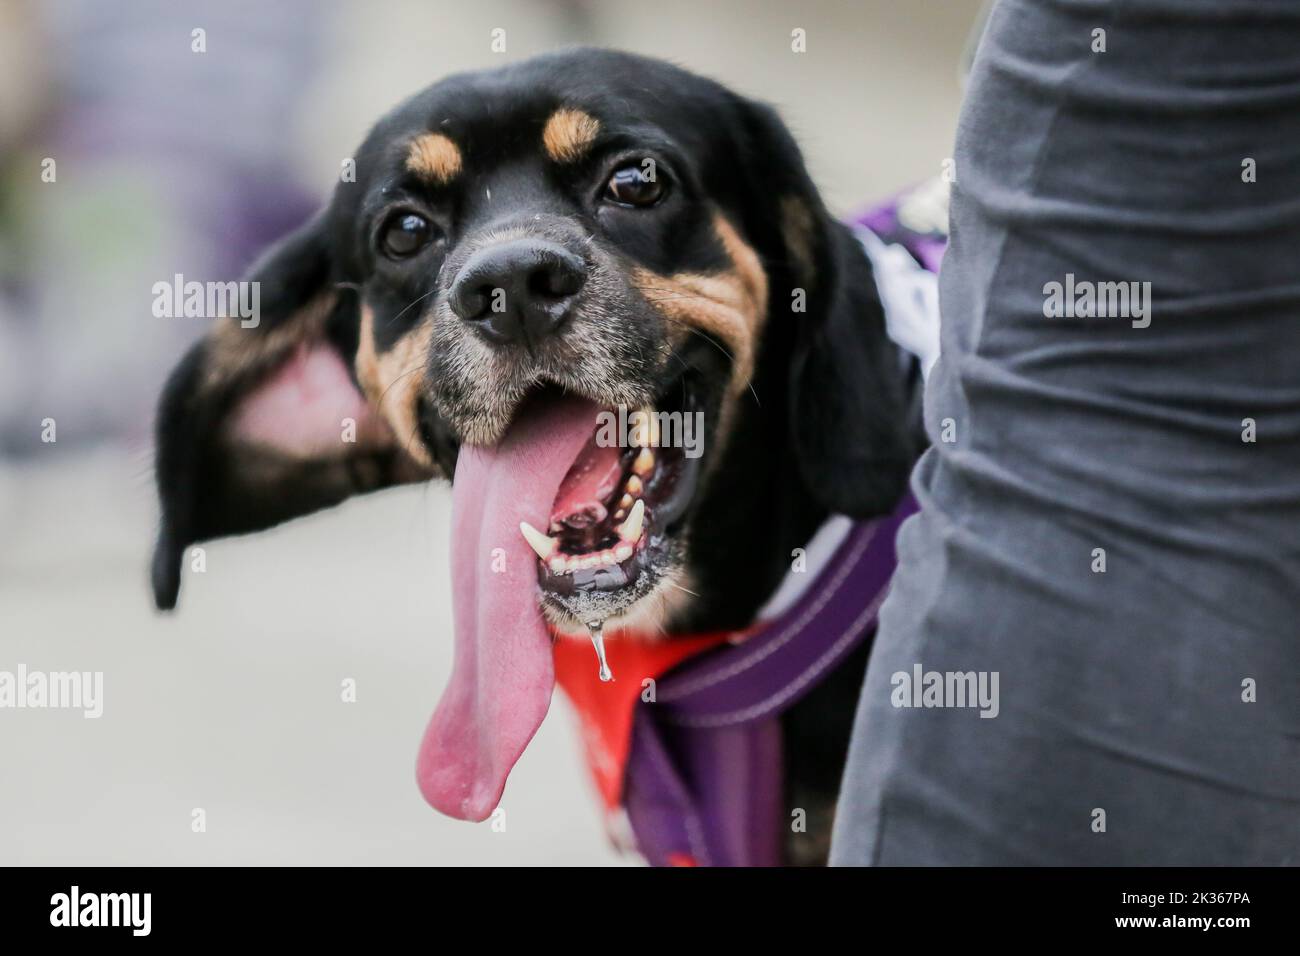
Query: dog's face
564 227
590 226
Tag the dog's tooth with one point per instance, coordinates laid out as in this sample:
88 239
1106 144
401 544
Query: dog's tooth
630 530
543 544
591 561
645 462
625 502
634 485
557 564
620 514
622 552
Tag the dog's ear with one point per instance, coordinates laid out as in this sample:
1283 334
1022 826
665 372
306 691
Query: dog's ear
262 420
852 406
854 395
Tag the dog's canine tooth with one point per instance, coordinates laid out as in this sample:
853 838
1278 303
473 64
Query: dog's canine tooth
544 545
634 485
645 462
630 530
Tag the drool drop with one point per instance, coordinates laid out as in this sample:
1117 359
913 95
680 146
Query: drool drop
596 630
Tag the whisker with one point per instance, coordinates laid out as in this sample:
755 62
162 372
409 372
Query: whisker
380 401
412 304
695 330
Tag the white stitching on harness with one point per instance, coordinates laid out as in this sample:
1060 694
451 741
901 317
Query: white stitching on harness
792 630
779 698
694 833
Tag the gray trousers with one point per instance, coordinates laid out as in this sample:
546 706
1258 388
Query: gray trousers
1111 504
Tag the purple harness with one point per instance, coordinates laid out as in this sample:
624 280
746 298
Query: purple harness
703 778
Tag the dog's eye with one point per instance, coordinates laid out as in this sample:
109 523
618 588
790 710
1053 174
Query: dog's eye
404 235
633 186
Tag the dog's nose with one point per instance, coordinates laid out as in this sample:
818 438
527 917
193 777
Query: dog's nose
520 290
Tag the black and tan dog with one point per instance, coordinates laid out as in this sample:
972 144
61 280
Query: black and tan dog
583 230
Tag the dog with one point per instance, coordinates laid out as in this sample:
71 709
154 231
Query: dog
522 250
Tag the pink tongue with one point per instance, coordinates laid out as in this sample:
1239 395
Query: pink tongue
503 672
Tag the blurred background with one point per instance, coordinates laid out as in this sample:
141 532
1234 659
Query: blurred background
167 160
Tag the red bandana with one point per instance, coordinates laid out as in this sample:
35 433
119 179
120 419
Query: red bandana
605 709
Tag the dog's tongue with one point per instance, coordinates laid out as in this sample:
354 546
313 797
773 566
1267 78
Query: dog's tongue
503 672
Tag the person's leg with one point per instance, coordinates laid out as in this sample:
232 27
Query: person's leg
1161 691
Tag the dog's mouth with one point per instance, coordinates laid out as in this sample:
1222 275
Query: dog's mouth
577 513
612 534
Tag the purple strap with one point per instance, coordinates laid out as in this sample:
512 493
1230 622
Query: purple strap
703 778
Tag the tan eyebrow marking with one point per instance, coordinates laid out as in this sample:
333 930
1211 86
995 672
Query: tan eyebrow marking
434 155
568 134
